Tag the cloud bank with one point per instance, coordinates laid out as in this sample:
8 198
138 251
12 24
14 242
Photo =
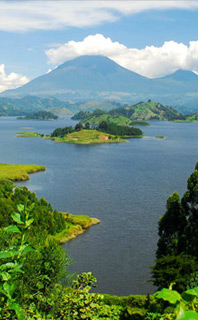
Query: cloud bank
12 80
21 16
150 61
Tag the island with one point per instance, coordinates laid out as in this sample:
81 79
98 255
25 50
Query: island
40 115
18 172
105 132
97 116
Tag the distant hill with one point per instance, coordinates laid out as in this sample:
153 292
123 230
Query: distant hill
29 104
40 115
149 110
81 115
182 75
98 116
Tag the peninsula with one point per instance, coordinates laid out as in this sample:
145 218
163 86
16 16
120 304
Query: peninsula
18 172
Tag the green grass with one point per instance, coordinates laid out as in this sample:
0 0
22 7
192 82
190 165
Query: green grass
18 172
75 225
26 134
89 137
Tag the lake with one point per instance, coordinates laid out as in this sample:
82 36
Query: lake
125 185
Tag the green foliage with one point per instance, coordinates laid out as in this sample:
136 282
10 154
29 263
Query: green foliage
193 280
123 131
177 269
78 127
78 303
177 249
12 261
81 115
184 304
45 218
61 132
149 110
40 115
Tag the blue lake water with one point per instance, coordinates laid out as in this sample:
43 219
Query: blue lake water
125 185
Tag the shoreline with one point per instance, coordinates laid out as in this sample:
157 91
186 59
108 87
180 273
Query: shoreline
18 172
80 223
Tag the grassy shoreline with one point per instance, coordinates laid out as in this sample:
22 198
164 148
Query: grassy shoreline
18 172
76 225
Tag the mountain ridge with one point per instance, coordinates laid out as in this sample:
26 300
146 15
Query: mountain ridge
99 78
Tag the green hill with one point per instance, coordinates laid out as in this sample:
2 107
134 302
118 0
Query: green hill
40 115
149 110
81 115
30 104
98 116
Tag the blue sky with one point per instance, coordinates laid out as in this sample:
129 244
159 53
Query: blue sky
152 38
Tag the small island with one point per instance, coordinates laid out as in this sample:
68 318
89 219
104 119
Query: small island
103 133
18 172
40 115
161 137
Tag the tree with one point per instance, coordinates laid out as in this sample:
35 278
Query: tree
171 227
78 126
178 230
87 125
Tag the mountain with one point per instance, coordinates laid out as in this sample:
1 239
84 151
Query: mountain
84 74
182 75
99 78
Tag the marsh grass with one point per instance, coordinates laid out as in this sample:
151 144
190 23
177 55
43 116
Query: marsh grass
18 172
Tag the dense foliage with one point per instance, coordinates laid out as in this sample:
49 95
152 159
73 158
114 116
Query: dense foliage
81 115
149 110
61 132
40 115
177 249
122 131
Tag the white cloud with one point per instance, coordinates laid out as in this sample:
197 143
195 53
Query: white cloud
12 80
19 16
150 61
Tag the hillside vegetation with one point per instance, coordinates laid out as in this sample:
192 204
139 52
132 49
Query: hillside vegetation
30 104
40 115
149 110
98 116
